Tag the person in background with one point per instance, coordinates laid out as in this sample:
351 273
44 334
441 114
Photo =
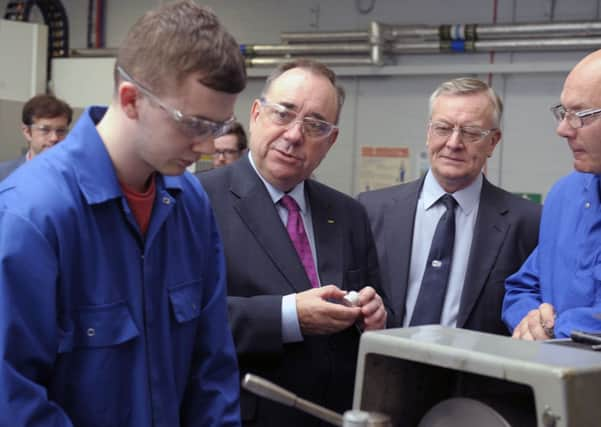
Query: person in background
45 121
123 319
447 242
557 290
229 147
294 249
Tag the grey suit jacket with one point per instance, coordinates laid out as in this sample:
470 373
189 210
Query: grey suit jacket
8 166
262 266
505 233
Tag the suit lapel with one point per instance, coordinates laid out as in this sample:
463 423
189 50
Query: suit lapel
489 233
400 237
328 236
259 214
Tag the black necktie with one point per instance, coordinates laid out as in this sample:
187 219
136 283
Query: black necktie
428 307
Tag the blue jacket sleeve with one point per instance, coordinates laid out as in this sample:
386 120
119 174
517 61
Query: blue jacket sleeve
522 292
29 334
581 318
212 396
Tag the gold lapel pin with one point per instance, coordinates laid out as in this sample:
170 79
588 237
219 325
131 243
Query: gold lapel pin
331 221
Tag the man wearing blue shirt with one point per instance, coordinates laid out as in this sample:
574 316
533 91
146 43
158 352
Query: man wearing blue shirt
112 293
558 289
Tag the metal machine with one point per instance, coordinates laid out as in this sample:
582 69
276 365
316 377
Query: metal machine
436 376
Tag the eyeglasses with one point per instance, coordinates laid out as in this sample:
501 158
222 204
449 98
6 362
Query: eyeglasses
468 134
47 130
227 153
575 119
193 126
283 116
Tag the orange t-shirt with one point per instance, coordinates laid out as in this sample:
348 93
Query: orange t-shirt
141 203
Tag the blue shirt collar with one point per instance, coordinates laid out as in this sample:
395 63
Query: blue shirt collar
95 181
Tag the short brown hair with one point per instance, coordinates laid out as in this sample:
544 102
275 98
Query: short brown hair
314 67
238 131
177 39
45 107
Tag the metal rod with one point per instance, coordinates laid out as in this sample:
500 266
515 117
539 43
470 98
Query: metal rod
518 45
332 61
303 49
430 33
553 29
269 390
538 44
325 37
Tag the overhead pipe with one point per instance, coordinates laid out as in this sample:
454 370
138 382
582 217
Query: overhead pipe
374 35
450 31
554 29
325 37
587 43
342 48
305 49
340 61
382 41
495 45
376 58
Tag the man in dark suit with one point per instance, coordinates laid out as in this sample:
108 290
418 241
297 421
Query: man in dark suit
285 302
45 121
494 232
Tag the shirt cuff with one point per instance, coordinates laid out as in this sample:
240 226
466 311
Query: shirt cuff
291 331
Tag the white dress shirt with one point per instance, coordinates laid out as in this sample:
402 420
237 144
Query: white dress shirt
427 215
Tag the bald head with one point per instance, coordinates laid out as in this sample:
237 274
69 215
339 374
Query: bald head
586 76
581 100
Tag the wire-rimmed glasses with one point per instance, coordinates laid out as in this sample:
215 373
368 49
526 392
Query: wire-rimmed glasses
311 127
575 119
468 134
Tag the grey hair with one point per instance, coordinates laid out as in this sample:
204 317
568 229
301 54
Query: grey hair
314 67
467 86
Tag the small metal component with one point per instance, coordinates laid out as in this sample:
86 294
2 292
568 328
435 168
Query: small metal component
378 419
351 299
355 418
549 418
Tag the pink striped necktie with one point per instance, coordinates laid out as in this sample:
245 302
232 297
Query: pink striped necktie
296 231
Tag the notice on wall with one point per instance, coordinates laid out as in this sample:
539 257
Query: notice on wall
533 197
382 167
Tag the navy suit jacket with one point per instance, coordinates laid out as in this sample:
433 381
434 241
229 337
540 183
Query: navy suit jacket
8 166
505 233
262 266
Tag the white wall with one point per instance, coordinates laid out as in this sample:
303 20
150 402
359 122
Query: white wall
388 106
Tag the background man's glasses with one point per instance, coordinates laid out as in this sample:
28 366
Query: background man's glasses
193 126
47 130
575 119
468 134
282 116
227 153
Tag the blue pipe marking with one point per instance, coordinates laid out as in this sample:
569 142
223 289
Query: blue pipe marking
458 46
